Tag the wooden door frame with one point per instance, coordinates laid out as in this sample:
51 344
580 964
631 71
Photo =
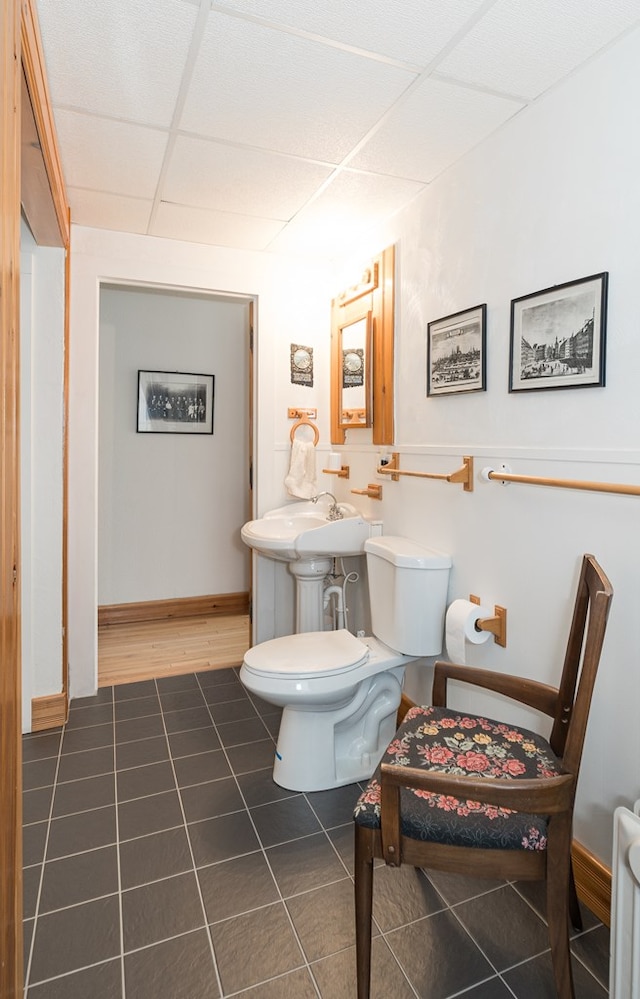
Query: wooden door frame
21 62
10 680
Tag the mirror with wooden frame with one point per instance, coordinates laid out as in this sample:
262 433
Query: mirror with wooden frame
362 354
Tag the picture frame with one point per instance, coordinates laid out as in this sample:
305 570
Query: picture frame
456 353
175 402
558 336
301 363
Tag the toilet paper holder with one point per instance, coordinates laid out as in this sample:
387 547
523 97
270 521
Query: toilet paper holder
497 625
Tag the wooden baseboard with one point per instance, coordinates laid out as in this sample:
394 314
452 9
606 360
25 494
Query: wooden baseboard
593 882
405 704
164 610
49 712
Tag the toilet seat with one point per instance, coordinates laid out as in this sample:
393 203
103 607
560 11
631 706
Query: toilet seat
308 654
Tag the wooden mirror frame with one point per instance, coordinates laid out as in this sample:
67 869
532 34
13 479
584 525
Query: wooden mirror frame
374 295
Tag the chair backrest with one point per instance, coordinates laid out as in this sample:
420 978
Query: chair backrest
582 659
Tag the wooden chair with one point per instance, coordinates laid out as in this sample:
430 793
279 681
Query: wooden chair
430 803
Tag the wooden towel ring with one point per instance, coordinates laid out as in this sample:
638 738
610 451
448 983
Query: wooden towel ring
304 422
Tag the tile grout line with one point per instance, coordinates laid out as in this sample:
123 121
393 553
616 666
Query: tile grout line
118 866
258 838
191 853
27 973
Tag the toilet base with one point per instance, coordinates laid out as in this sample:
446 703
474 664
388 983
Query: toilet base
321 749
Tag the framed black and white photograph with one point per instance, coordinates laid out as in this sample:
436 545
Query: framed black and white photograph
175 402
558 336
456 352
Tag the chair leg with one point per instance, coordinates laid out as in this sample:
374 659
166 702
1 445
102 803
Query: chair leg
364 903
558 905
574 906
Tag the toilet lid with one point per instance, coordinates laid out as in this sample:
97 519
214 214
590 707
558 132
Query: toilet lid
312 653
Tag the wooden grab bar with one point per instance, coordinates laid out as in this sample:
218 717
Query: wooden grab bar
538 480
463 475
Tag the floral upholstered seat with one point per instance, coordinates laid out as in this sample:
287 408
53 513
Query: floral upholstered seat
450 742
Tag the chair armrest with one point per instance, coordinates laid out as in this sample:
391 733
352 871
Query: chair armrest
541 796
545 796
537 695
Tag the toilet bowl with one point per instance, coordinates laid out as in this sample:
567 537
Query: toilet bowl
340 694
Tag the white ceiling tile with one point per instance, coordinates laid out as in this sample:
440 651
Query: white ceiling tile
123 58
229 178
410 31
109 156
431 129
273 90
197 225
109 211
353 203
524 48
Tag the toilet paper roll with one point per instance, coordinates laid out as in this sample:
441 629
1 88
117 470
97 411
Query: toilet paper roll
460 628
335 461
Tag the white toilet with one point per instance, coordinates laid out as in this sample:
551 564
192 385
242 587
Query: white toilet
340 694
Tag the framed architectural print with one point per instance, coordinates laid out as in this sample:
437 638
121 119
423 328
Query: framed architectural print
558 336
175 402
456 353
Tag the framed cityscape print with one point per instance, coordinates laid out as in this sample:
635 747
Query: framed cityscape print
175 402
456 352
558 336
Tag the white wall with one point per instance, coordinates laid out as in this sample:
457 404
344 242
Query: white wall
554 196
293 306
171 505
41 444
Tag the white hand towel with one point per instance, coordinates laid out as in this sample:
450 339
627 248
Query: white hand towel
301 479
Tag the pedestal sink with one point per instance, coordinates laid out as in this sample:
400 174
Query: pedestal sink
302 535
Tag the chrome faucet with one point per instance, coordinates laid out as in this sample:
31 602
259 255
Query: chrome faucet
335 513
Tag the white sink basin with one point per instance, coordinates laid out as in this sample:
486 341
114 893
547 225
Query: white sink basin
303 531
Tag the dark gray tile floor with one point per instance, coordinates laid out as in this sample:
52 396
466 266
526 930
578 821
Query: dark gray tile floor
162 862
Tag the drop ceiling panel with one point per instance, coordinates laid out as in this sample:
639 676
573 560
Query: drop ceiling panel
431 129
524 48
234 179
197 225
123 58
109 211
109 156
278 91
350 205
410 31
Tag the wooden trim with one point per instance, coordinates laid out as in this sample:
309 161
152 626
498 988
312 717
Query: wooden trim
50 711
378 299
10 685
405 704
383 350
593 882
35 74
163 610
65 473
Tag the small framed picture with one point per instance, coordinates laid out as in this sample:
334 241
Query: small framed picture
175 402
558 336
456 353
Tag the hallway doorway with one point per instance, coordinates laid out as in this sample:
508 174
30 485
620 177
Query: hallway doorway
171 505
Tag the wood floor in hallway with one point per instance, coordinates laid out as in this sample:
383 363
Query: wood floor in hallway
147 650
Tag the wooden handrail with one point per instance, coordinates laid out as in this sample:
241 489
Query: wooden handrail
538 480
462 475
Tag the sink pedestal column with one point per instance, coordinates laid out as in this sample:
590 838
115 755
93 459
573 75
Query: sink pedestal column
309 576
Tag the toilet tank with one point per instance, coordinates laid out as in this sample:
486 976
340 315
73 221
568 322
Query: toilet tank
408 586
